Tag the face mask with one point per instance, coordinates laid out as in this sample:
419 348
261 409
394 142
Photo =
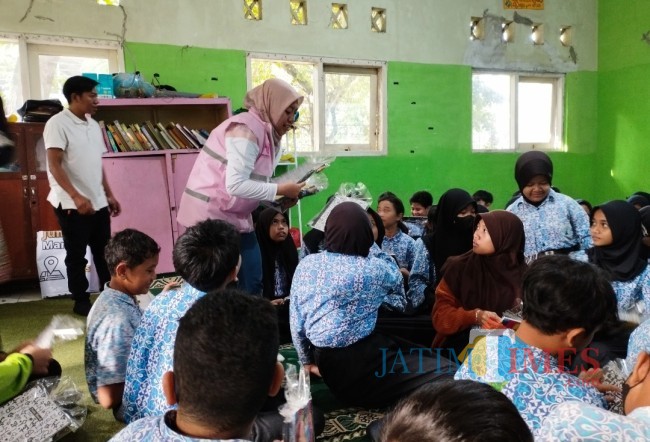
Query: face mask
464 223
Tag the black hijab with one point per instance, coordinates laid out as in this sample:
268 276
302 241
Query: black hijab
381 231
348 231
622 258
531 164
639 199
284 252
452 235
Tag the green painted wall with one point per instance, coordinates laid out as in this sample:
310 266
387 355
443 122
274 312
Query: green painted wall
429 126
624 95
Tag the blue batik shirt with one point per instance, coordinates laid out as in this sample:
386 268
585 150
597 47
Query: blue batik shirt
402 246
416 230
631 296
576 421
559 222
111 325
423 274
639 342
160 429
152 352
335 299
530 377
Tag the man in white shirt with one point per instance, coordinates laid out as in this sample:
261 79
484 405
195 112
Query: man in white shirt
82 199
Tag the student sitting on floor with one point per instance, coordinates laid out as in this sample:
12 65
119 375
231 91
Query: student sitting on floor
279 261
335 299
23 364
481 284
483 198
615 232
132 257
577 421
554 223
458 411
225 366
206 256
453 230
397 243
564 303
420 202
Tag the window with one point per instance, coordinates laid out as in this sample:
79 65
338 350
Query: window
10 79
516 111
343 112
36 67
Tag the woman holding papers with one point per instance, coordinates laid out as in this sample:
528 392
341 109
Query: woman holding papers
231 174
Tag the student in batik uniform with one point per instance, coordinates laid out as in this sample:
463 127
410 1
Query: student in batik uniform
615 232
564 303
576 421
225 366
391 210
335 298
459 411
132 257
420 202
553 222
279 261
206 256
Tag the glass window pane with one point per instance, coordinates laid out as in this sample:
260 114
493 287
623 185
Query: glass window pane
491 112
534 112
347 108
11 87
56 69
301 77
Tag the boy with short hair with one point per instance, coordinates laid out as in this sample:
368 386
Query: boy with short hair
565 303
225 366
483 198
132 257
207 258
420 203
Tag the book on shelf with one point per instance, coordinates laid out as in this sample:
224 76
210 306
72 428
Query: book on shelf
147 135
121 144
107 143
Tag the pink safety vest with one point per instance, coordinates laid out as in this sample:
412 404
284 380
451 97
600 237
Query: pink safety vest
205 195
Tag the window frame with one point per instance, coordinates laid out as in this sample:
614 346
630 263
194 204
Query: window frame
557 80
30 46
323 65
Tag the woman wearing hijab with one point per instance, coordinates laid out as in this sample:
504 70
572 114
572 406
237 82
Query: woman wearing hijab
553 222
231 174
481 284
335 298
279 261
616 233
453 228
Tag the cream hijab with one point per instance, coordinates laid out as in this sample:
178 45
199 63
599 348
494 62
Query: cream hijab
271 99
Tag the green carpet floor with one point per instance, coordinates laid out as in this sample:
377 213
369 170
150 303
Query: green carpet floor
25 320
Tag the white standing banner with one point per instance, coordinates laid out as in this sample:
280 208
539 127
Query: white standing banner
50 262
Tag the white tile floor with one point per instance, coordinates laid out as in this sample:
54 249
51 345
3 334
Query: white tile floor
19 293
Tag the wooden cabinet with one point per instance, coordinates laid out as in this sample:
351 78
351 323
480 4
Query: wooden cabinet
23 192
149 184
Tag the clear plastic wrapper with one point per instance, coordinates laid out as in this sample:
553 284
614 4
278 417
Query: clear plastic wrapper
62 328
297 411
355 192
49 409
309 173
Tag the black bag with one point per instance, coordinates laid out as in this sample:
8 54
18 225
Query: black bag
39 111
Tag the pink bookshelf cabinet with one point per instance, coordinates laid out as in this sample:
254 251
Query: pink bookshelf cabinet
149 184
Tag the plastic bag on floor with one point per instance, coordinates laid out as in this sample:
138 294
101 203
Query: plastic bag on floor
297 411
